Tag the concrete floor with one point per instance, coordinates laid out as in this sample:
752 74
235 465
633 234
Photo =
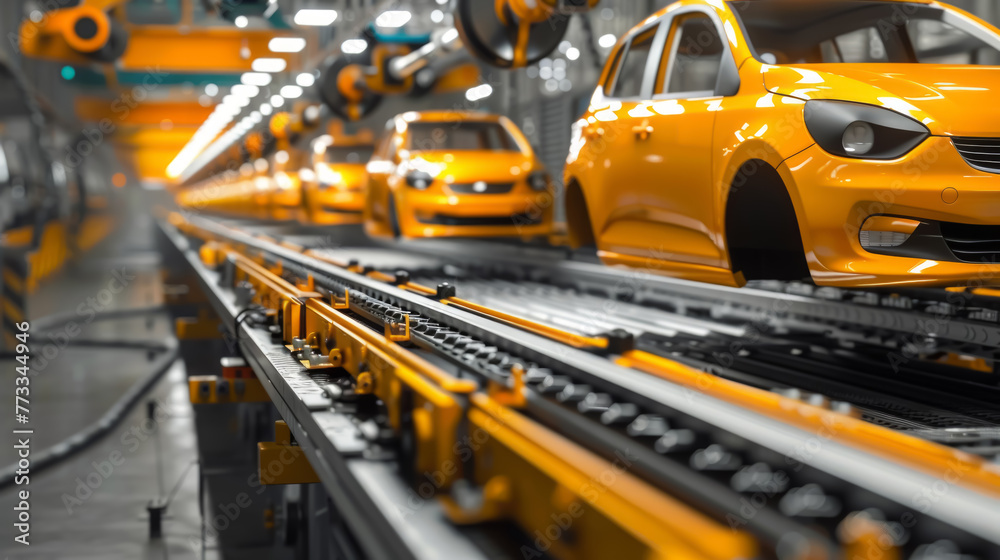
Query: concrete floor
75 388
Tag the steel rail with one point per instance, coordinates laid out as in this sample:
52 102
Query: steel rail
368 492
961 506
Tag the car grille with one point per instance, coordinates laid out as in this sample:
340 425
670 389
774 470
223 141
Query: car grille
514 220
491 188
973 243
981 153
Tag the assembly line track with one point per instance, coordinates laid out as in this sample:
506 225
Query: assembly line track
974 512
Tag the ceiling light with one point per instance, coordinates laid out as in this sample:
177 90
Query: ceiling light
286 44
291 92
245 90
479 92
572 53
393 18
315 17
266 109
305 79
212 90
354 46
607 41
277 100
255 78
241 21
269 65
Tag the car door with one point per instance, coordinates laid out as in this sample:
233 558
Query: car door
672 134
612 149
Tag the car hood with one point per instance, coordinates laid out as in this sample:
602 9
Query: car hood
949 100
471 166
351 174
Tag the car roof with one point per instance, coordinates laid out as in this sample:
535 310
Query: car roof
448 116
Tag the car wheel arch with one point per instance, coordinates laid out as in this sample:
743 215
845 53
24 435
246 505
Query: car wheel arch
758 195
579 224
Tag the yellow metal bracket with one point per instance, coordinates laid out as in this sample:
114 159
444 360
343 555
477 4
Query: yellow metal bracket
398 332
212 389
281 461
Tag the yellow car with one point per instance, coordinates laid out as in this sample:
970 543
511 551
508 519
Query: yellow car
445 174
853 141
334 191
284 187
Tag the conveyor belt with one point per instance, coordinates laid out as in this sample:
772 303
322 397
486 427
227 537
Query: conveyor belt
604 407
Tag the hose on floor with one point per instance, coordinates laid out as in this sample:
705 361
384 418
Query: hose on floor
84 438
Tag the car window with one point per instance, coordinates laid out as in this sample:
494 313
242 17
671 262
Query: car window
863 31
612 70
861 45
459 135
936 42
633 66
693 56
348 154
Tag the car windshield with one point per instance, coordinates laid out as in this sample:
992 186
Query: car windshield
860 31
348 154
460 135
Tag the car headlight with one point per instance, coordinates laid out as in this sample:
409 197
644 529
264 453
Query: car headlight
862 131
539 180
419 180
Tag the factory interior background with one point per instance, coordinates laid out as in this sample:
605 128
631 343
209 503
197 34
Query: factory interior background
184 329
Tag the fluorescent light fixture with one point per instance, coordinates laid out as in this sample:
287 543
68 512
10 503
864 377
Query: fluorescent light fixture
449 35
291 92
269 65
315 17
479 92
255 79
305 79
245 90
354 46
286 44
393 18
235 101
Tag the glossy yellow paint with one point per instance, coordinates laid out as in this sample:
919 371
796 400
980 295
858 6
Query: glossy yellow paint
335 191
393 207
656 174
283 462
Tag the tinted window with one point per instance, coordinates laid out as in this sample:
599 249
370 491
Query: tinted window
633 67
348 154
613 70
853 31
695 56
459 135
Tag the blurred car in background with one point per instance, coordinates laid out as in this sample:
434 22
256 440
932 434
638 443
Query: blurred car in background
452 174
333 189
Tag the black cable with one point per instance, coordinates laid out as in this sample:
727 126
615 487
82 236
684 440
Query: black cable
93 433
59 320
177 485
